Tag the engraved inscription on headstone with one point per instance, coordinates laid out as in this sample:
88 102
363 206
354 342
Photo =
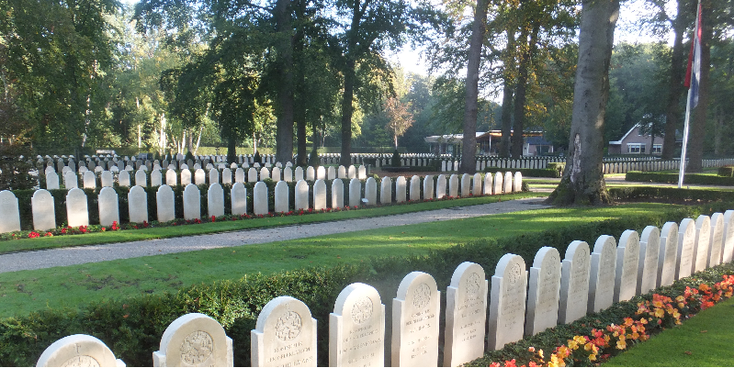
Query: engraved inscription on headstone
466 315
357 328
574 282
284 335
543 291
507 301
415 322
194 340
602 275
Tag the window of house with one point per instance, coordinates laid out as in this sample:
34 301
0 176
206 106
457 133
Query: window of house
635 148
657 148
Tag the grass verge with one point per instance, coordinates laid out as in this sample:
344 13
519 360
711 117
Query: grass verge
72 286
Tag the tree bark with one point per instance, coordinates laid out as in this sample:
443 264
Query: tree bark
675 89
284 123
583 179
469 148
520 93
698 124
507 94
347 111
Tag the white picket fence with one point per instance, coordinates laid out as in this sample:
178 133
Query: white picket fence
515 304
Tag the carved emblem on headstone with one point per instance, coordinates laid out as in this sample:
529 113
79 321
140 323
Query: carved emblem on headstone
473 286
421 295
362 310
514 274
81 361
196 348
288 326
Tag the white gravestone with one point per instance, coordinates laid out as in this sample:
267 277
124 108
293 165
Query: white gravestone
337 193
252 175
574 282
44 216
415 316
477 184
543 291
728 250
70 180
441 186
275 174
215 200
668 254
320 173
357 328
284 335
137 202
497 188
156 178
331 173
703 243
239 175
487 184
628 255
52 180
717 239
342 172
186 177
192 202
166 204
11 214
264 173
199 177
355 192
352 172
141 178
109 207
78 351
239 199
415 188
465 185
517 182
282 200
370 191
194 340
362 172
507 182
213 176
319 195
301 195
77 213
453 186
288 174
647 265
507 301
603 274
386 190
310 173
428 187
466 315
298 174
123 178
686 243
400 190
260 199
171 178
90 180
226 176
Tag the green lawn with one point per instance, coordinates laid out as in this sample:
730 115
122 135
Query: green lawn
703 341
72 286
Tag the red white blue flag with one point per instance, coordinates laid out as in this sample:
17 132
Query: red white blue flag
693 73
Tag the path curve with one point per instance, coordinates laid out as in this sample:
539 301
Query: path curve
34 260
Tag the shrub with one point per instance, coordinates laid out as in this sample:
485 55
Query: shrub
727 171
557 166
669 194
671 178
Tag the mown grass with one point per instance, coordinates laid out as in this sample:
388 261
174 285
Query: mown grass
703 341
224 226
73 286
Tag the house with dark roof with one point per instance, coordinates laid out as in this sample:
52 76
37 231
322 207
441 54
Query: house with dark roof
636 142
488 143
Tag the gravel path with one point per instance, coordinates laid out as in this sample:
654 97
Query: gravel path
106 252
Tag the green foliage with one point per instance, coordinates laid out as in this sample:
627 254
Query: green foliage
558 166
671 178
538 173
727 171
15 167
395 160
667 194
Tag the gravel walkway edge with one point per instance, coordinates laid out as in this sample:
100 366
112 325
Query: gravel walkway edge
106 252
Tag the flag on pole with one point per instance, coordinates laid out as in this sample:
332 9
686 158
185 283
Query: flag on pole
693 73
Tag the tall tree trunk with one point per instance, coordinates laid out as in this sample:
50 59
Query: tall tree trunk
284 123
507 94
469 148
302 159
347 111
231 149
583 179
675 89
698 124
520 93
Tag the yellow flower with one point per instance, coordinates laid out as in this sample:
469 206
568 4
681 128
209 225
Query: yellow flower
592 357
572 344
621 344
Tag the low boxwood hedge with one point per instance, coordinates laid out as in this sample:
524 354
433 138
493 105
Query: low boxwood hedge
727 171
672 178
132 327
669 194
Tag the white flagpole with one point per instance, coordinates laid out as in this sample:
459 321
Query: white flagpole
682 170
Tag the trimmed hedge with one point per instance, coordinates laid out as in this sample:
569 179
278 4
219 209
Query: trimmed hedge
132 327
727 171
669 194
672 178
